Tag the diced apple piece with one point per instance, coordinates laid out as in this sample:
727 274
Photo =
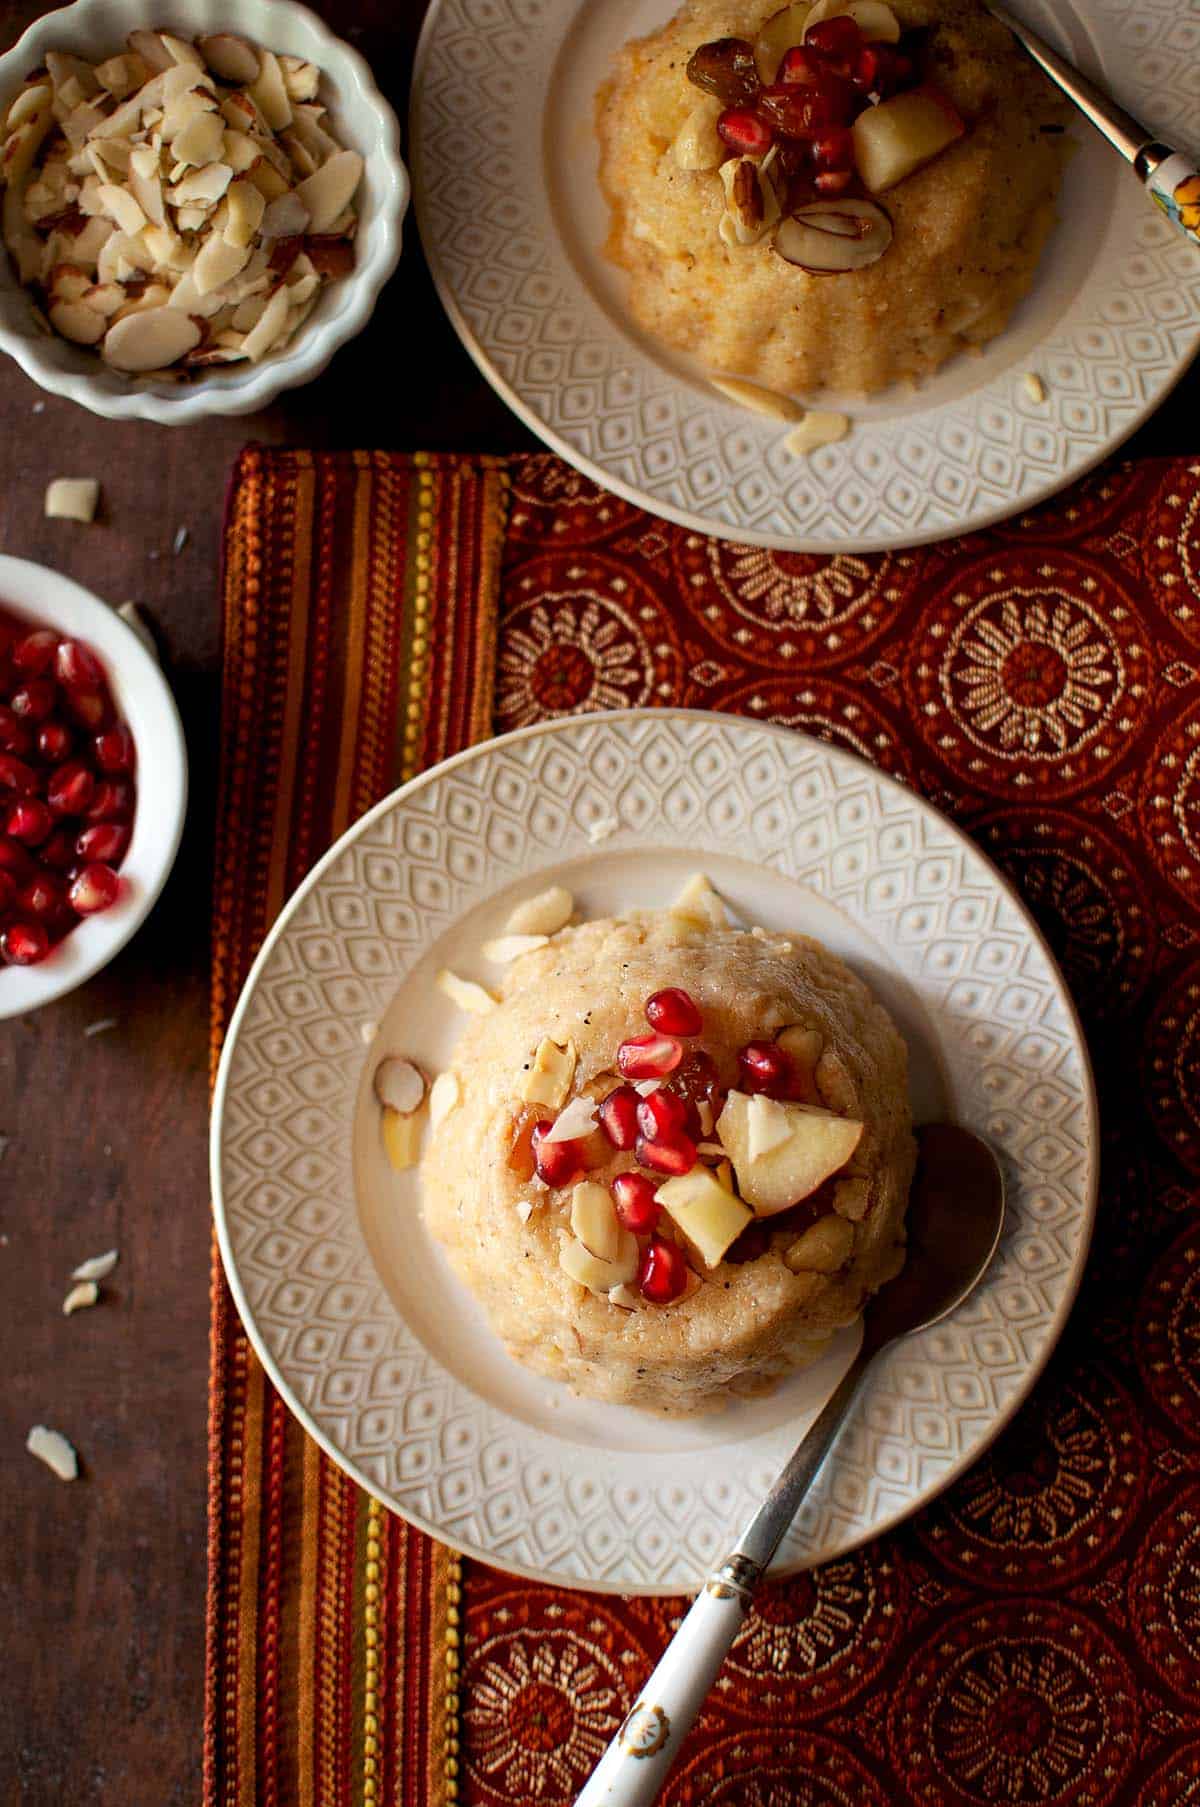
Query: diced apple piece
600 1276
401 1139
824 1247
899 135
768 1126
706 1211
594 1220
820 1144
549 1078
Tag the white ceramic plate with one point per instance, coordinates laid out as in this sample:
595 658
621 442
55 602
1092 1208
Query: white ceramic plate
511 216
351 1306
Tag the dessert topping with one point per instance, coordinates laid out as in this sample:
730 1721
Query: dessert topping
465 993
399 1085
544 914
549 1079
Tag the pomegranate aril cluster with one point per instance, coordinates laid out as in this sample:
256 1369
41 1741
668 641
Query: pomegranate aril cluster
67 795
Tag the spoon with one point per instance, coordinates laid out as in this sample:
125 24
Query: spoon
955 1214
1170 177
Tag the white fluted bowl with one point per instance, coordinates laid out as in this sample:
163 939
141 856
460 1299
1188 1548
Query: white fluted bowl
361 119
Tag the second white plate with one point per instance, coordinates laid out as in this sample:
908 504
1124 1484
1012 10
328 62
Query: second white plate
353 1309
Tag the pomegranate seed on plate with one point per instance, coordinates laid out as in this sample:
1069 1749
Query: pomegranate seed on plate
637 1207
558 1163
114 749
662 1114
77 666
797 68
674 1012
754 1241
71 788
59 851
17 776
94 889
29 821
112 801
34 700
107 841
88 707
673 1155
663 1273
649 1056
838 37
764 1067
32 654
832 181
54 741
618 1117
744 132
24 943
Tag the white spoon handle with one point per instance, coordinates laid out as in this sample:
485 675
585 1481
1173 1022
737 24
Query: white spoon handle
635 1765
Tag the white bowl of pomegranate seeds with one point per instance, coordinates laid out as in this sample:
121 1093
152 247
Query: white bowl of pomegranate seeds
93 784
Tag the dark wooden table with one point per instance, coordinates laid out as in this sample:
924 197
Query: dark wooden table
102 1583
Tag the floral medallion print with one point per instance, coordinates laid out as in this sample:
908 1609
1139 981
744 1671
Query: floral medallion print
790 608
1053 1496
773 1769
1030 676
1171 549
1170 803
1088 899
1173 1067
1165 1595
1096 507
552 505
1019 1705
1168 1339
828 711
826 1633
541 1709
1176 1782
593 639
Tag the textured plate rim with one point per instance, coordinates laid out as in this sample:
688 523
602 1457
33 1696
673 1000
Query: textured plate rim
1054 484
397 798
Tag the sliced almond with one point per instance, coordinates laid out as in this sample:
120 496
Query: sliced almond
698 145
625 1298
155 294
96 1267
506 948
150 47
246 208
443 1097
180 51
325 194
755 397
259 341
52 1448
201 140
72 499
465 993
594 1220
68 282
81 1295
400 1085
78 322
300 157
104 298
239 150
285 217
544 914
150 340
270 95
204 186
301 79
698 903
550 1078
834 237
216 263
401 1139
1033 386
117 75
121 207
264 175
31 103
575 1121
596 1275
64 68
120 255
230 57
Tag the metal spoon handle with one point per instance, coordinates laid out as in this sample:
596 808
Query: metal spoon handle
636 1763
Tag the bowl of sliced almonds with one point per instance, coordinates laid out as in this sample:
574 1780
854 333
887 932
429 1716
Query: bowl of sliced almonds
194 217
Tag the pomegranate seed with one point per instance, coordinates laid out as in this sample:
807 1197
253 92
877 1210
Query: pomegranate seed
637 1207
34 700
674 1155
15 737
107 841
663 1114
17 776
663 1273
838 37
649 1056
29 821
744 132
114 749
864 71
95 889
42 897
833 150
17 861
754 1241
558 1163
673 1012
618 1117
832 181
59 851
808 112
764 1067
8 889
798 68
24 943
70 789
32 654
88 707
77 666
112 801
54 741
